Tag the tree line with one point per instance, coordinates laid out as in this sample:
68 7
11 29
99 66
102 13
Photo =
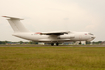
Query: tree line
32 42
20 42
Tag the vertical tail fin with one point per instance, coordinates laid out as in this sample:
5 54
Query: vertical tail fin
16 25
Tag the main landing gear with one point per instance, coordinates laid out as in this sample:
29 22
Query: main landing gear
52 44
57 44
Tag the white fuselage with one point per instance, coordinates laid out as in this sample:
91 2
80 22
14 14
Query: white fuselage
74 36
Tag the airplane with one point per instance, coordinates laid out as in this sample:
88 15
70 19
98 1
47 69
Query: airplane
47 37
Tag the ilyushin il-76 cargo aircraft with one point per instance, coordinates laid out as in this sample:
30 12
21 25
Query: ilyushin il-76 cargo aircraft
47 37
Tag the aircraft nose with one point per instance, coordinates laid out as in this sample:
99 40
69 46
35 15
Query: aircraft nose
93 37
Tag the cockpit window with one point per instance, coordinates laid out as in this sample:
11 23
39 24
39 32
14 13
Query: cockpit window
90 33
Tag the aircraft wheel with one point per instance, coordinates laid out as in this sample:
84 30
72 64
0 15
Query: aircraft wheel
80 43
52 44
57 44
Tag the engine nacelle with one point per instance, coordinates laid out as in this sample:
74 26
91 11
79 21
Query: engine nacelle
70 36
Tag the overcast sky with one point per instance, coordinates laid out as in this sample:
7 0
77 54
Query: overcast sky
54 15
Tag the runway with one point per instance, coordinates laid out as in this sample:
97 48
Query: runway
33 45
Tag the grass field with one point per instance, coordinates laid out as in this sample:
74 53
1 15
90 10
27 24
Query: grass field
19 57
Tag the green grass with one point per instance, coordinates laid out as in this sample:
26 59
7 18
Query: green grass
52 58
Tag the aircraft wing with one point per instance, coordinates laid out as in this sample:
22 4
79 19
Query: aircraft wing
55 33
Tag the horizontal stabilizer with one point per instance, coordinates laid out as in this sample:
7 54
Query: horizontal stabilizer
12 17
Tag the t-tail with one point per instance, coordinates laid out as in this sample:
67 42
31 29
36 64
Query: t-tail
16 25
